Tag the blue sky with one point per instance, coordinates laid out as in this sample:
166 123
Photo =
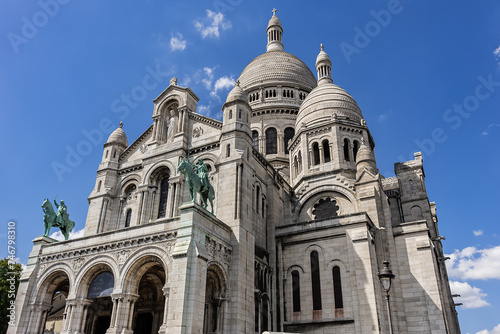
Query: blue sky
425 74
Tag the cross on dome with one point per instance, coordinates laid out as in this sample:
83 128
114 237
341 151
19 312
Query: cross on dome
274 11
321 46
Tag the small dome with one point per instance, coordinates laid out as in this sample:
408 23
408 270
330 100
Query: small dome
325 102
236 94
323 56
118 136
274 21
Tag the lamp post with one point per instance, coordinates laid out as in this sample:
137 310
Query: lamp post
385 275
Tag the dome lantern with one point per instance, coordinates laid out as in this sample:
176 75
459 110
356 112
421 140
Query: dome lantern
274 33
324 67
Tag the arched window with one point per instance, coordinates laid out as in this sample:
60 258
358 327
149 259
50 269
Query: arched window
346 150
99 186
267 94
289 133
162 207
271 141
296 291
102 285
128 217
300 162
291 94
107 153
337 288
316 281
239 114
315 154
355 149
255 139
230 114
228 150
257 199
326 150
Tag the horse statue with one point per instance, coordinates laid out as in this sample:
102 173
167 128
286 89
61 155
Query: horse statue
197 181
57 219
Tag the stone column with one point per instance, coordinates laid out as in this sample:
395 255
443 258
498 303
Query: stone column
126 316
163 328
117 306
281 143
122 200
170 198
321 154
139 210
145 207
177 197
39 314
69 326
152 206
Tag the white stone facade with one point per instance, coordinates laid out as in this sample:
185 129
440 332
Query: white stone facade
302 222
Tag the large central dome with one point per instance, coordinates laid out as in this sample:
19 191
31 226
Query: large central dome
277 67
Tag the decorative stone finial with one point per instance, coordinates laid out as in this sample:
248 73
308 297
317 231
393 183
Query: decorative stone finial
237 82
121 124
321 46
173 81
274 11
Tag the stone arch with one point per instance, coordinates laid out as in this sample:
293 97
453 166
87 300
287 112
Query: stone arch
51 280
126 181
294 267
315 247
151 174
91 269
168 101
139 262
337 262
347 201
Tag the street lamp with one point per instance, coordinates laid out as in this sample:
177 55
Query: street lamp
385 275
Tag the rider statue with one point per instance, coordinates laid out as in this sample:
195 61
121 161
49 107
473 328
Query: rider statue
202 169
61 215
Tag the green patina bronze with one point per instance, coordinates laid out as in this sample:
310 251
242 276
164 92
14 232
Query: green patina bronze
59 218
198 182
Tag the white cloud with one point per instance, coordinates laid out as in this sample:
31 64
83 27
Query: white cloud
478 233
222 83
472 263
491 126
470 296
72 235
203 110
497 53
495 330
216 21
209 77
177 43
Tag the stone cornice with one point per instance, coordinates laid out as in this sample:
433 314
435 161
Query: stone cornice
108 247
136 143
207 120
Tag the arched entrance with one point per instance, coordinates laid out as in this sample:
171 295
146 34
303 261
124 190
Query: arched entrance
151 303
215 295
100 306
54 293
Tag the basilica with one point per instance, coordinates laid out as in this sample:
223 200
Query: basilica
302 236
